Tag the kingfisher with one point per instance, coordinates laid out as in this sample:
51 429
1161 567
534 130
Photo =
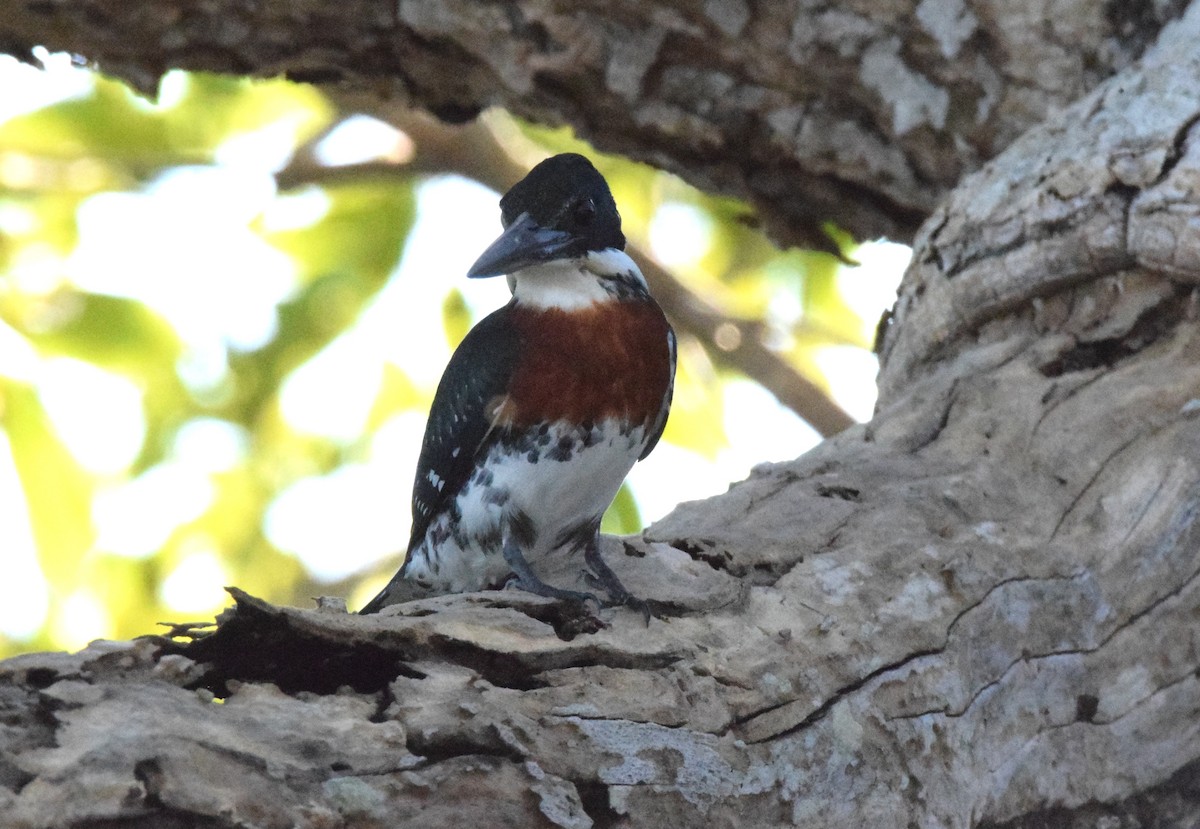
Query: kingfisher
546 404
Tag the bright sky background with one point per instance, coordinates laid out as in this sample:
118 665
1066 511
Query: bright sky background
155 245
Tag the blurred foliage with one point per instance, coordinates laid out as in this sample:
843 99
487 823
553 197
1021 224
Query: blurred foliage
114 559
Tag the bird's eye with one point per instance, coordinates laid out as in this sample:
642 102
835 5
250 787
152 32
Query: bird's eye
585 211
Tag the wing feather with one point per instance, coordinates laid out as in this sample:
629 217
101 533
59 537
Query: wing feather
460 419
661 422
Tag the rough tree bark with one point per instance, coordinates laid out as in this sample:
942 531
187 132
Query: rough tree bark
864 113
978 609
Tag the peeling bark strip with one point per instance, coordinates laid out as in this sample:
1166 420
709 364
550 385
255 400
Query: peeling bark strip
977 610
861 113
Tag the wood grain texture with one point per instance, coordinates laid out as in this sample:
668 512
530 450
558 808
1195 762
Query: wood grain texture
863 113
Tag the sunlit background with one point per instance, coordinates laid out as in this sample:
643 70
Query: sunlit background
207 379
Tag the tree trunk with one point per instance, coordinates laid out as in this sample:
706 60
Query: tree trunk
979 609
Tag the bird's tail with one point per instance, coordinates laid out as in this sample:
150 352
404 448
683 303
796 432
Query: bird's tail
379 602
388 595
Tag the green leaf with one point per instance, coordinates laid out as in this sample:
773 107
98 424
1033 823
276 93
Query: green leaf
697 414
622 517
51 216
57 489
396 394
343 260
119 334
456 317
213 108
824 309
112 122
362 233
136 138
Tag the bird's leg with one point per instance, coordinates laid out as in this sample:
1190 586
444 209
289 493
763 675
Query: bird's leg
528 581
607 579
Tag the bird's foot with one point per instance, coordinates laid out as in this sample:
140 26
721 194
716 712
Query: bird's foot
602 576
528 581
539 588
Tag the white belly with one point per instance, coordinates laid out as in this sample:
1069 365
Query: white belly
560 481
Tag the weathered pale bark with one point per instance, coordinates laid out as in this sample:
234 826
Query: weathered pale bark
864 113
979 609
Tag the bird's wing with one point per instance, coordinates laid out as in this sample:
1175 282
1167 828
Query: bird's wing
661 422
461 417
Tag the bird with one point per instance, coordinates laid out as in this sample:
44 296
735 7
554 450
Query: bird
545 405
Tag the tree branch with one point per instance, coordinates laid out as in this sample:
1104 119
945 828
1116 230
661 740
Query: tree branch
857 113
956 615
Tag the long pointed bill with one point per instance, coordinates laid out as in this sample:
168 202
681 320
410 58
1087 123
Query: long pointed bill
521 244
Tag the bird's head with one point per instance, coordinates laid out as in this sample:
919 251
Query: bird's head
562 210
